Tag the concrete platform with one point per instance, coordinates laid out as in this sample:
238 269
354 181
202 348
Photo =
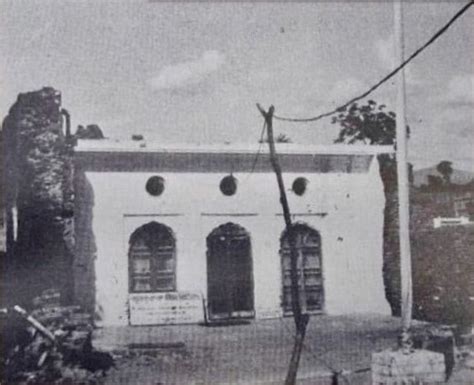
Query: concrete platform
418 366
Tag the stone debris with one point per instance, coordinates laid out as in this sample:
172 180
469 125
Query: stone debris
50 345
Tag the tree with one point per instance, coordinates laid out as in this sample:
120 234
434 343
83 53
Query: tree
281 138
435 182
446 170
371 123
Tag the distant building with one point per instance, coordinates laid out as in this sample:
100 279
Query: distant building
463 204
177 234
443 206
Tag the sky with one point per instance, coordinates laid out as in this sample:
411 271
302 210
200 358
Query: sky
192 72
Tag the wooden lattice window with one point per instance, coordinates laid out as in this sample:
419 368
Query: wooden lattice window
310 282
152 259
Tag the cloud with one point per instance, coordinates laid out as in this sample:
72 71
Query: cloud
385 51
456 104
188 72
467 132
344 90
461 91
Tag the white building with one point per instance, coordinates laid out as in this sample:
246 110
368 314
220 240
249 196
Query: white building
175 234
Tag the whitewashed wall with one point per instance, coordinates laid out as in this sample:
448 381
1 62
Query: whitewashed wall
351 233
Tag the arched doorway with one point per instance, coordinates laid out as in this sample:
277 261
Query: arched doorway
152 264
229 273
310 279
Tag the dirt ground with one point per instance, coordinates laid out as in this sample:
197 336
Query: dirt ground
254 353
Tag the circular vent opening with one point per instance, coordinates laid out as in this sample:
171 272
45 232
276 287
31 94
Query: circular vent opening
228 185
299 186
155 185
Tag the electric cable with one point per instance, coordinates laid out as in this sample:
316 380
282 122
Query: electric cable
384 79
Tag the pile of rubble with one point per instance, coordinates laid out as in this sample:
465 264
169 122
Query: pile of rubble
50 345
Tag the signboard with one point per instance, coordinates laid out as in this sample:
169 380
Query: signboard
166 308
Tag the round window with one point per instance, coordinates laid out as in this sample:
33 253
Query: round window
299 186
155 185
228 185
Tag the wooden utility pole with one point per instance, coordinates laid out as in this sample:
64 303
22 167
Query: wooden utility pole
301 320
403 186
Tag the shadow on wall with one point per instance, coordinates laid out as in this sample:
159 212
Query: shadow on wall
26 276
41 259
391 253
85 249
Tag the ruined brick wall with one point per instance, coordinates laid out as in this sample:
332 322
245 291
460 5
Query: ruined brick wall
443 271
38 168
37 173
2 199
35 164
442 260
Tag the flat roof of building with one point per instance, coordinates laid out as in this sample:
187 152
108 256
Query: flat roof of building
143 146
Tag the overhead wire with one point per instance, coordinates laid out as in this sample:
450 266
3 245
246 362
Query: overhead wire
257 154
385 78
336 372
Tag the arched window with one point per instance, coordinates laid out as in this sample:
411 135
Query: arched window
310 282
152 259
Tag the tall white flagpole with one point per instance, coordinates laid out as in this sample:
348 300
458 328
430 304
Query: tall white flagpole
403 184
